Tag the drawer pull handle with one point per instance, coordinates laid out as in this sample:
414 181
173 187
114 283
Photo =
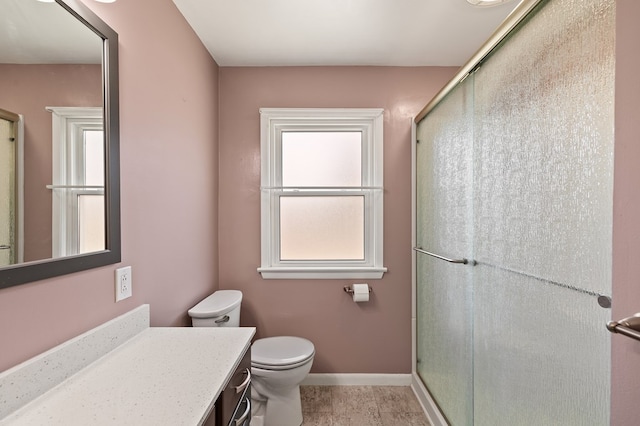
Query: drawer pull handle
242 386
245 415
223 319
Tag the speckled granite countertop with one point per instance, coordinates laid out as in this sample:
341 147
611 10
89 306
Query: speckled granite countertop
161 376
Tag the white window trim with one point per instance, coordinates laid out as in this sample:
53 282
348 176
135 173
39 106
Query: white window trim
68 124
273 121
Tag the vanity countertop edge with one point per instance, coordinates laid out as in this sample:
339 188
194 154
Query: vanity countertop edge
161 375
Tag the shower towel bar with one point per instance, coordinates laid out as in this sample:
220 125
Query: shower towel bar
446 259
629 327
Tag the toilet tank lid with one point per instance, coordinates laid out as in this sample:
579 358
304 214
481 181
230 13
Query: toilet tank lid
219 303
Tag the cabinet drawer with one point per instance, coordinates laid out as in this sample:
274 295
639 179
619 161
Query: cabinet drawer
231 400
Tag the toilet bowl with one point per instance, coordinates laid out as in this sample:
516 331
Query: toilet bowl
278 364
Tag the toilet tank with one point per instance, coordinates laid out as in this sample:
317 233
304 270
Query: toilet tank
221 309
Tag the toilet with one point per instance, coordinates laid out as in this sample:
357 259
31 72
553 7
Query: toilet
278 364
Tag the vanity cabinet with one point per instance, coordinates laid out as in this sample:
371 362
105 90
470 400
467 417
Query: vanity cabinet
233 406
161 376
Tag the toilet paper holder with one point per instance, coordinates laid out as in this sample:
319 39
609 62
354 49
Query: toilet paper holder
349 290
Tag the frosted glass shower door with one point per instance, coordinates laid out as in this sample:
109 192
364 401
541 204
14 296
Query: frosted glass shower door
515 173
443 226
543 198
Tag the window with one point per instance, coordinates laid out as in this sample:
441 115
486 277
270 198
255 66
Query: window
322 194
78 181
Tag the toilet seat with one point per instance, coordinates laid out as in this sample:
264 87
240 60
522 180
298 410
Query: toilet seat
281 352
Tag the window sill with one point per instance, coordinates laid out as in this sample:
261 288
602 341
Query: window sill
277 273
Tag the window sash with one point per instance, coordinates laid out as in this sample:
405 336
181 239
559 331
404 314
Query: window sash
367 160
368 199
68 207
326 158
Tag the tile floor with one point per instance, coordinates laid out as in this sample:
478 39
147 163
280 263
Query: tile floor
360 406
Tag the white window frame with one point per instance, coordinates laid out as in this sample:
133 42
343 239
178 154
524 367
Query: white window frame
275 121
68 126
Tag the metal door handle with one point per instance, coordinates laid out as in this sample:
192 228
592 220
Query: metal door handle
242 386
245 415
446 259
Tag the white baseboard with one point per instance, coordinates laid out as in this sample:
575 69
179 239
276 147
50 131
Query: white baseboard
429 406
357 379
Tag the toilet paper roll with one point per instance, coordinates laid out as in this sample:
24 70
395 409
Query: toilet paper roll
360 292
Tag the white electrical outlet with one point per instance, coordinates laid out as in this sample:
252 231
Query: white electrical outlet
123 283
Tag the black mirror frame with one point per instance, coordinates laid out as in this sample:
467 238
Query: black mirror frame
33 271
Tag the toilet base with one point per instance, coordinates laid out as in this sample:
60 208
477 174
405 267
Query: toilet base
281 408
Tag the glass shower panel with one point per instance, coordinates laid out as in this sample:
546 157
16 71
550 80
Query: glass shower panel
544 147
541 353
444 339
444 225
543 219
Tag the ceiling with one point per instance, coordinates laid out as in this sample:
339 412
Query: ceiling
277 32
32 32
342 32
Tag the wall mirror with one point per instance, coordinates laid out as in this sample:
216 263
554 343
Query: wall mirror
59 141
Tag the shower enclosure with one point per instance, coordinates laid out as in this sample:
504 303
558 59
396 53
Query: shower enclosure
513 226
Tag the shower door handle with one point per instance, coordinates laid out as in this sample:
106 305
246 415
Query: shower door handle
446 259
629 326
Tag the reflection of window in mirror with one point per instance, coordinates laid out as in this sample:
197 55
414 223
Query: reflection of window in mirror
78 181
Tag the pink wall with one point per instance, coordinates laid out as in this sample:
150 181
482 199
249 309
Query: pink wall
27 90
349 338
625 363
170 215
169 175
